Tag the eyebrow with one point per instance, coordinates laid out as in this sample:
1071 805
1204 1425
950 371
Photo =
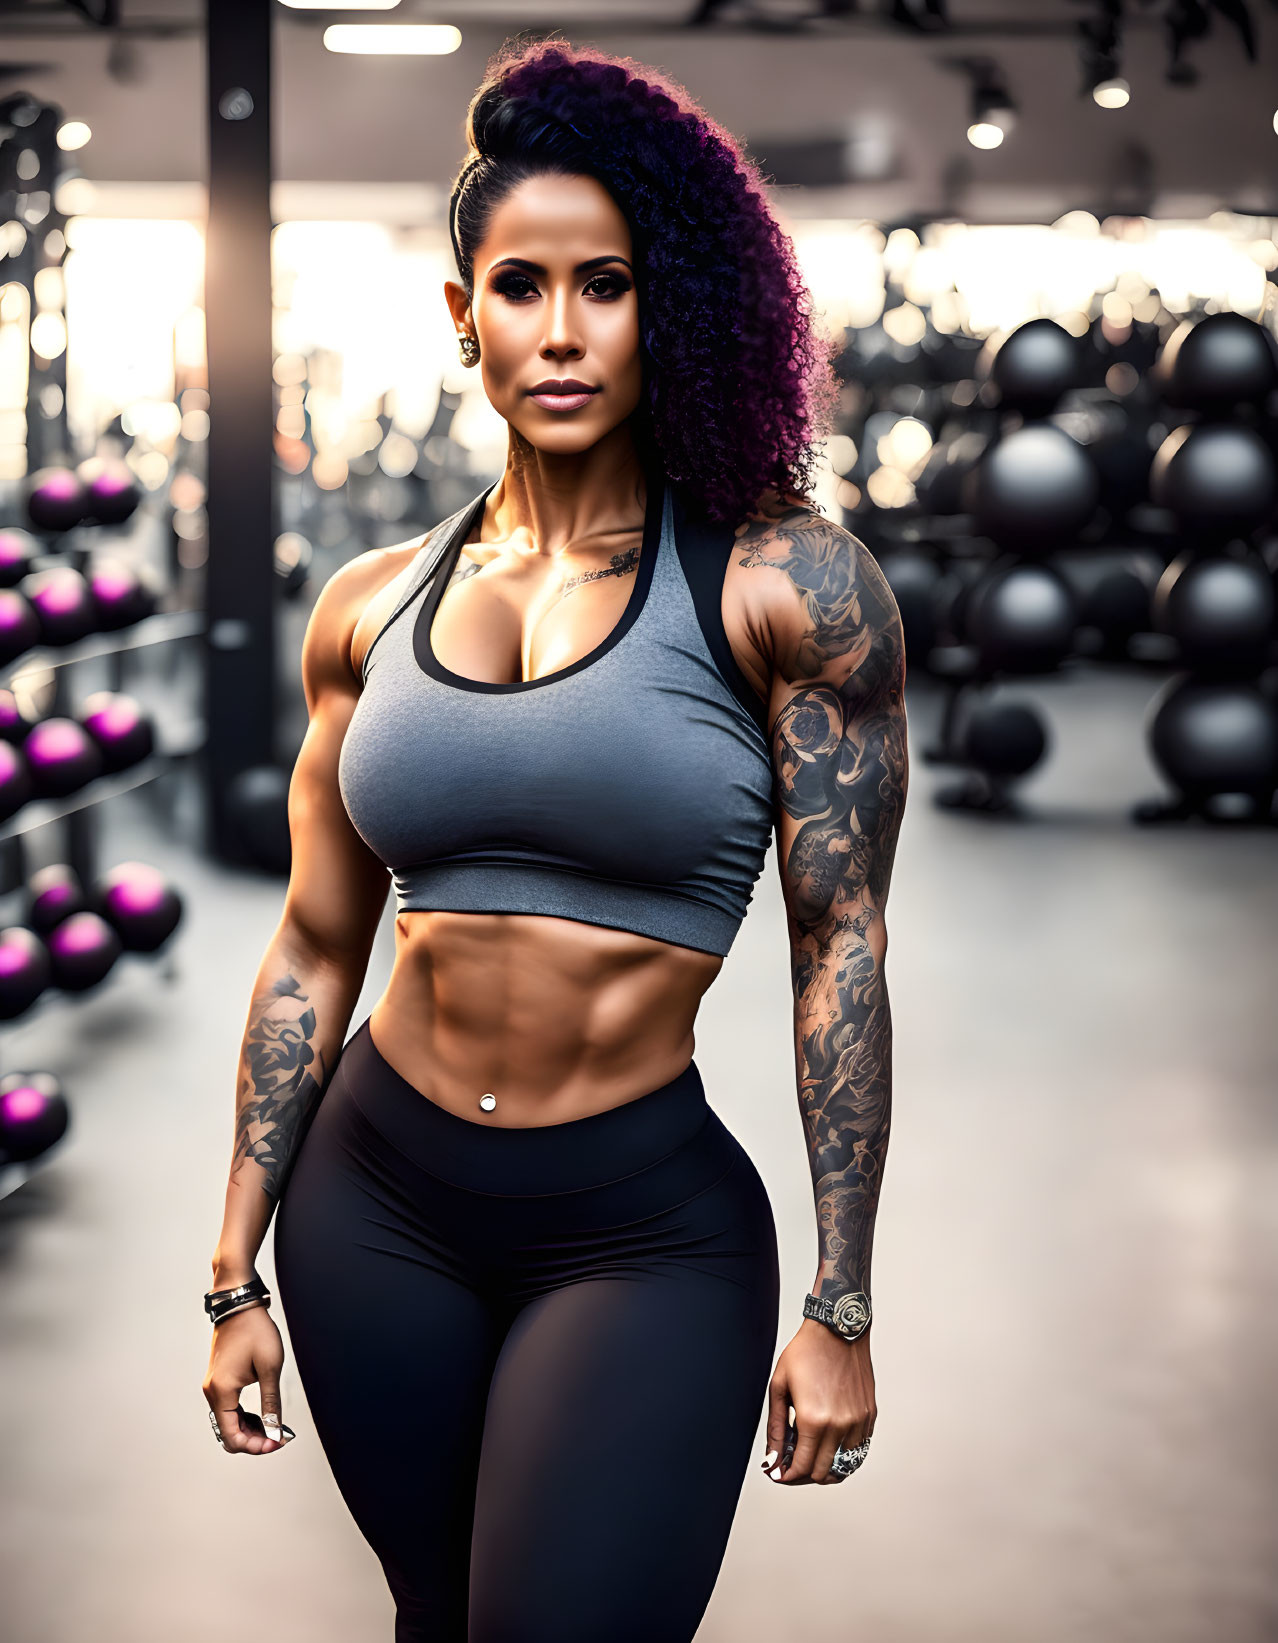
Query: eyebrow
539 268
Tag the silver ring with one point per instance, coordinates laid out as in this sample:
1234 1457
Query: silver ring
217 1431
846 1461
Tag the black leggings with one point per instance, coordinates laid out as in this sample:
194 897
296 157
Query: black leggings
536 1358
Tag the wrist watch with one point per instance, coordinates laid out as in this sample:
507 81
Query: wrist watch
847 1315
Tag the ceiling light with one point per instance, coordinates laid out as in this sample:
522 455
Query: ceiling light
392 39
984 134
1112 93
341 5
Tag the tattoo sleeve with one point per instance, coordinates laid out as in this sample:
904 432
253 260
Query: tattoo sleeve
282 1078
841 772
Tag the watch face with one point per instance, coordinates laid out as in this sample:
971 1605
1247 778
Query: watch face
851 1314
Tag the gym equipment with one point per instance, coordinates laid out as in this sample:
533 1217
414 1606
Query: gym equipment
1022 618
1218 362
120 595
15 781
1004 739
82 950
53 893
62 603
111 493
257 808
1219 609
19 628
17 550
120 730
14 723
1034 365
55 499
61 757
1213 736
25 970
1034 489
140 905
1219 480
33 1115
1117 606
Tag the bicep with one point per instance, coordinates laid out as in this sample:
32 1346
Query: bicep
337 886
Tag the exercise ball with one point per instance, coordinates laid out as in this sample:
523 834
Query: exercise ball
82 950
17 551
1212 736
140 905
1117 605
62 604
53 893
913 579
19 629
121 595
1004 738
1022 618
1218 362
1034 365
55 499
1217 479
120 730
257 808
33 1115
61 757
15 781
24 970
1219 610
1034 489
111 492
14 723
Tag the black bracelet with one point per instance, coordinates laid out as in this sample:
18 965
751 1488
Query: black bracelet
220 1303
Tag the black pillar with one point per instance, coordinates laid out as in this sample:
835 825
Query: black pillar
240 592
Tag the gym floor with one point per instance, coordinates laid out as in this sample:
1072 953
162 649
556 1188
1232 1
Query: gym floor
1076 1331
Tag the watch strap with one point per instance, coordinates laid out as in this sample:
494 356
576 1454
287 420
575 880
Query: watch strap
848 1315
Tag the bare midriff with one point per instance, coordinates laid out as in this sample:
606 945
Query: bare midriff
553 1018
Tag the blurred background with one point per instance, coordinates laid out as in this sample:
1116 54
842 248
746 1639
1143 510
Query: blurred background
1043 232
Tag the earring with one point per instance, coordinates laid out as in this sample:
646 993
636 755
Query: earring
468 347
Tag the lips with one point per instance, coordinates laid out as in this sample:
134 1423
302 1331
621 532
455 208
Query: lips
565 395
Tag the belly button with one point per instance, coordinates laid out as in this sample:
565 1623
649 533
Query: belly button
487 1102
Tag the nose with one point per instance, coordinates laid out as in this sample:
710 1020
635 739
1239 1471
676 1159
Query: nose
562 336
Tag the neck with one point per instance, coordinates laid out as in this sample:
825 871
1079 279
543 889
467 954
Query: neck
555 501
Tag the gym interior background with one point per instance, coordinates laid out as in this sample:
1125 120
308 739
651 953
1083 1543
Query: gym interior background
1046 232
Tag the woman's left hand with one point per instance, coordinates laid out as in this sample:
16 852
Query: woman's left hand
830 1384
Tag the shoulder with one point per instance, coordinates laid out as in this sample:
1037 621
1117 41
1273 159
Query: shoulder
821 602
344 617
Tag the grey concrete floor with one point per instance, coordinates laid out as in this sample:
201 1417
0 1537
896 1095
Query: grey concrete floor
1076 1332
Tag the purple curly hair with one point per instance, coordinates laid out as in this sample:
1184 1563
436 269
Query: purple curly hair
738 380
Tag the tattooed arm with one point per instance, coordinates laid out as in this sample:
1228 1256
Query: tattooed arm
314 966
841 772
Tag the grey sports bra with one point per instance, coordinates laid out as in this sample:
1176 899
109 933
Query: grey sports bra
632 788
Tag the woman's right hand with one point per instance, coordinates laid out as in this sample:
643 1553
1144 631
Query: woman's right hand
246 1348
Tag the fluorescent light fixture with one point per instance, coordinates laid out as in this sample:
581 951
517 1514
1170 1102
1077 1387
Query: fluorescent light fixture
393 39
341 5
984 134
1115 93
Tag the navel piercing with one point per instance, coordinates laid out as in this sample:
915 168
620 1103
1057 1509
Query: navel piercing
487 1102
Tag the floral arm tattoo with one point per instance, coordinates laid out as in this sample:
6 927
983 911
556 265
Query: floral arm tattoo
283 1078
841 772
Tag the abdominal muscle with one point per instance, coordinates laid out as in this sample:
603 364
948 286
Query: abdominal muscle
555 1018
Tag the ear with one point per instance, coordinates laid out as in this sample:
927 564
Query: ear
458 305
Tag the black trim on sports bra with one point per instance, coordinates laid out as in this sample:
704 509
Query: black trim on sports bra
430 663
704 550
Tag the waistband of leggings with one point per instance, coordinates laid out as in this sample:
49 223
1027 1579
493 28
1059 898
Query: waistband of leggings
522 1162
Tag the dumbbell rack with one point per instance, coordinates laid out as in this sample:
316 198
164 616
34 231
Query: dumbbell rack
77 812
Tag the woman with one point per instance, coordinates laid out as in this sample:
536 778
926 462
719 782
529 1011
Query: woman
530 1277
